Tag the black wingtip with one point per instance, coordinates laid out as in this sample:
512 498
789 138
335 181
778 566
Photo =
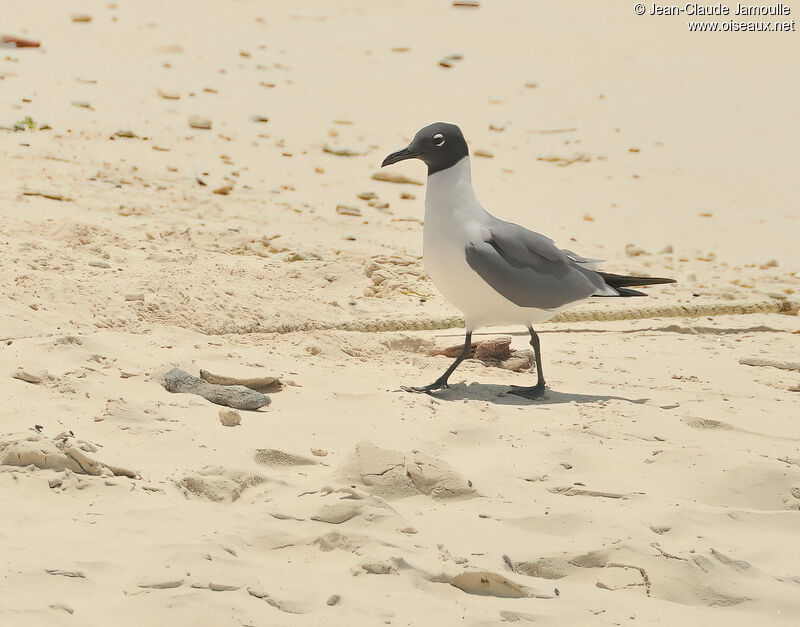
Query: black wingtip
620 280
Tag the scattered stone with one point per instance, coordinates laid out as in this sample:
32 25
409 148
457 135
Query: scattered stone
134 296
588 217
230 417
394 177
667 250
347 210
566 161
81 18
334 599
236 396
16 42
634 251
260 118
196 121
319 452
770 264
368 196
407 196
221 587
341 152
169 94
257 383
467 4
483 153
224 190
81 104
48 195
126 133
99 264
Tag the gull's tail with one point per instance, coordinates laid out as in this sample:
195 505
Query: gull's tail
620 283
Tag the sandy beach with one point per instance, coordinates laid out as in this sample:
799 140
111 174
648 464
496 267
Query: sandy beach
191 185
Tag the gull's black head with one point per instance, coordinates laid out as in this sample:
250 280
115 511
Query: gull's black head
439 145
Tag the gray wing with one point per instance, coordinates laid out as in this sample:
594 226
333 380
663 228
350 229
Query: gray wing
529 269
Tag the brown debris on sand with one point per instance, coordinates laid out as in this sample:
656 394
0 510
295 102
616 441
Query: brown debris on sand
494 351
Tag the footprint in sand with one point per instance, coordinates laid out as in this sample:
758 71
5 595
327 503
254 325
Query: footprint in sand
219 484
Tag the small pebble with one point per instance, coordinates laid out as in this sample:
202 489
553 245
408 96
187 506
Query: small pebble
334 599
202 123
224 190
82 18
634 251
347 210
230 417
169 94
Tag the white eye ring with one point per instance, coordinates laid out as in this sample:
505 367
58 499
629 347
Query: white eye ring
438 139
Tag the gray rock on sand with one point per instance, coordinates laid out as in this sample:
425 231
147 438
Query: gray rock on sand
236 396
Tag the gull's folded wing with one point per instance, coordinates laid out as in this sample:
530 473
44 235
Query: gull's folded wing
529 270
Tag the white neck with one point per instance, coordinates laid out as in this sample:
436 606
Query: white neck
450 191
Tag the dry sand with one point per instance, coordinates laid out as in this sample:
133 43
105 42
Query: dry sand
657 483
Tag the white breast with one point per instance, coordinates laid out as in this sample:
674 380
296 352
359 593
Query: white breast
454 217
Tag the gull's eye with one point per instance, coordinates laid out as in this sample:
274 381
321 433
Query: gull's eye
438 139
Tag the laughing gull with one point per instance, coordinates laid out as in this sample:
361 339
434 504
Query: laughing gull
495 272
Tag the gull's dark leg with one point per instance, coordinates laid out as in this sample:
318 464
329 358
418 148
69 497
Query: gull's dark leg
441 382
537 390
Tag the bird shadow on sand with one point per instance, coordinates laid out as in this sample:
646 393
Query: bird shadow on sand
500 394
